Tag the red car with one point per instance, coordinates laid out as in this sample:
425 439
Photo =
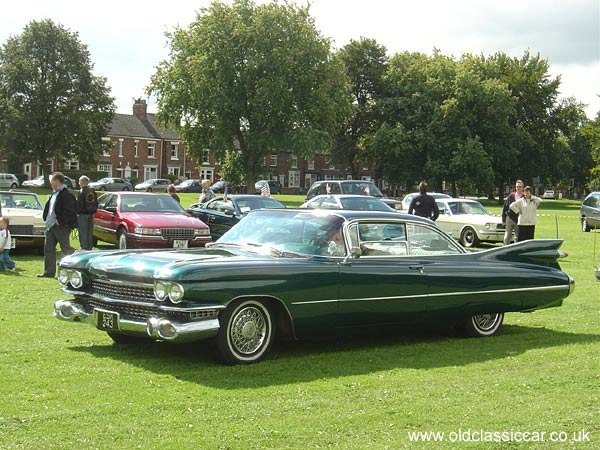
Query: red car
144 220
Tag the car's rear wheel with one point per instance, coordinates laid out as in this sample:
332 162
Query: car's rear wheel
482 325
585 226
122 239
469 237
149 190
102 188
246 332
125 188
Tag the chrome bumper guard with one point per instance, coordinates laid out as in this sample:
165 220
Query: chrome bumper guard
155 327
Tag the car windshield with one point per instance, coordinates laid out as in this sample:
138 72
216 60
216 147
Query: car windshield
293 231
364 203
247 204
19 201
151 203
361 188
468 208
186 183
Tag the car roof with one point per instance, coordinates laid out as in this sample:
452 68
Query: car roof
357 214
459 200
346 196
137 194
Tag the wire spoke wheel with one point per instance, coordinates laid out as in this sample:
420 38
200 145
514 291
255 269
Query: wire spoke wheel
246 332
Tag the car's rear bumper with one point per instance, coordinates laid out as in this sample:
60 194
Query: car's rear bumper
154 327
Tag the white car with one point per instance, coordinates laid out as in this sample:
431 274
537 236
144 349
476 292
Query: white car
153 185
408 198
550 194
469 222
24 211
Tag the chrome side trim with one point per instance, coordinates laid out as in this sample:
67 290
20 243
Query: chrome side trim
445 294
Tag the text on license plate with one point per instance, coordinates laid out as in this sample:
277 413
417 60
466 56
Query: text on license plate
107 320
180 243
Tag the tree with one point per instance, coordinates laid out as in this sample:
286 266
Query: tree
52 104
365 65
257 79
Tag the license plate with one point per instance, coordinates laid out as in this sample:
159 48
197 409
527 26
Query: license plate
180 243
107 320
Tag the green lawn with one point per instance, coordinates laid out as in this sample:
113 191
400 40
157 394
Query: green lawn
66 386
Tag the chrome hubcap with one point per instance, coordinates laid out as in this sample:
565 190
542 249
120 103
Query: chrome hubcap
485 322
248 330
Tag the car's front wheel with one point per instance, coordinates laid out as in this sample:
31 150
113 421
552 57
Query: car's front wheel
102 188
585 226
122 239
125 188
149 190
14 186
469 237
246 332
482 325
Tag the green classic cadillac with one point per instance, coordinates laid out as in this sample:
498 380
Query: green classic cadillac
296 274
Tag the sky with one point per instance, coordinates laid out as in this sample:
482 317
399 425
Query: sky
126 39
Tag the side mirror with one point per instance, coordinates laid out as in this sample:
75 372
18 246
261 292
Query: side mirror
112 209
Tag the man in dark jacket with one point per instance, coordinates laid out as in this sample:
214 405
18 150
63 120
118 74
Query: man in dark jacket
61 217
509 217
87 204
424 205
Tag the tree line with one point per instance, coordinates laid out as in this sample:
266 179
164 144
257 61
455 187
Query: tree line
247 80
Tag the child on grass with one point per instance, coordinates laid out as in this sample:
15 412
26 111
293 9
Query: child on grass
5 244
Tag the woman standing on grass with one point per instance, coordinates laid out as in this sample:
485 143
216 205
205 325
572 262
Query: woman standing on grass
526 207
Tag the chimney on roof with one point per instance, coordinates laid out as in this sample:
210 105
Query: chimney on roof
139 109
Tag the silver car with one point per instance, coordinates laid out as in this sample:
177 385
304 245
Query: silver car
8 180
153 185
112 184
589 213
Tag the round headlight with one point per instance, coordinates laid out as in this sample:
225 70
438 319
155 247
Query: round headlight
160 291
76 279
176 293
63 276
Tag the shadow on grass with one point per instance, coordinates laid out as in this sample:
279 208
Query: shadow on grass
292 362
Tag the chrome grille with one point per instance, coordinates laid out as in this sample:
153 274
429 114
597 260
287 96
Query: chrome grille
142 313
21 230
123 291
177 233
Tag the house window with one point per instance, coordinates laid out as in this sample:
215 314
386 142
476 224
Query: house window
294 165
120 148
151 150
150 172
273 160
174 171
206 157
311 164
294 178
71 164
106 145
206 174
174 151
105 167
136 146
309 179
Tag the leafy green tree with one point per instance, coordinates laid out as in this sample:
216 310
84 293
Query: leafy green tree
51 103
589 137
365 63
255 78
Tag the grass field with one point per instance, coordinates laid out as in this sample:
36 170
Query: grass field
67 386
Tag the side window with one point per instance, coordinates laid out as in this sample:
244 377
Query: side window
335 188
213 205
442 207
382 239
316 204
423 240
329 203
103 201
112 202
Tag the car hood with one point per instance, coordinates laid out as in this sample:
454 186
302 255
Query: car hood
144 265
473 219
162 220
19 216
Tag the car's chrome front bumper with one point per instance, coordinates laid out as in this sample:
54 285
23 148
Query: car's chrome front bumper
155 327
